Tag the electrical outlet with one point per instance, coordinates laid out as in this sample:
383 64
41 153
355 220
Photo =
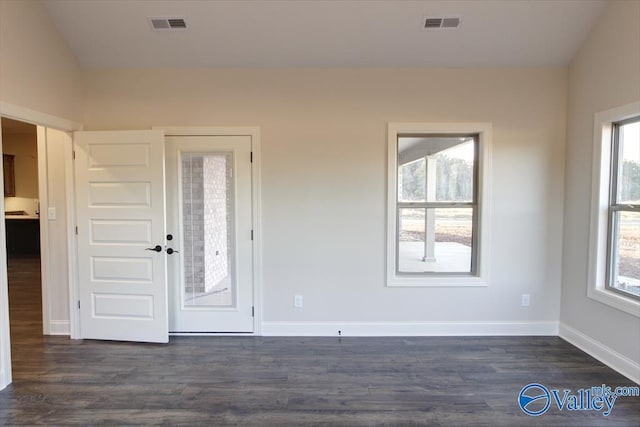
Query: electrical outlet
525 300
297 301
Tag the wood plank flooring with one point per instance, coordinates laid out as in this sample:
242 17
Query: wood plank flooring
436 381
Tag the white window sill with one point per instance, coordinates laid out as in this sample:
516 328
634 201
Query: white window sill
615 300
436 281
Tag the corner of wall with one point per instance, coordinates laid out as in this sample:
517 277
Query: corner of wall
602 352
603 74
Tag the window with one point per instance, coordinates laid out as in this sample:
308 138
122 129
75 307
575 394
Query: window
624 210
438 204
614 243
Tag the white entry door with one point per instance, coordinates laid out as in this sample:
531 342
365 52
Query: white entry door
121 235
209 220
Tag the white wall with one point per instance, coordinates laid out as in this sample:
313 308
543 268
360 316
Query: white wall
324 177
324 145
58 147
604 74
37 69
24 148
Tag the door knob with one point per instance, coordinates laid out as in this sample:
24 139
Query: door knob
157 248
171 251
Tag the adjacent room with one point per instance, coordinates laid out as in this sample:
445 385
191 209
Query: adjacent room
282 212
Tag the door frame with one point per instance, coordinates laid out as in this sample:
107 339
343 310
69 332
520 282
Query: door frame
39 119
256 202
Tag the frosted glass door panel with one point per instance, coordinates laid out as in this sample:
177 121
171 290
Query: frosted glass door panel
208 229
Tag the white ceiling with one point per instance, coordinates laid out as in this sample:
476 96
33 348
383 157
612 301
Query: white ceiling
325 33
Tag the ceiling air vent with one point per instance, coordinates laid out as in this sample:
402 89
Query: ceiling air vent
440 22
433 23
165 24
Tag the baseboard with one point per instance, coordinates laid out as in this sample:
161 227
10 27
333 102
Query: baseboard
606 355
211 334
59 327
3 382
389 329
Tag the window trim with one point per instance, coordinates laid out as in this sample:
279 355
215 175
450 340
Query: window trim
483 187
600 197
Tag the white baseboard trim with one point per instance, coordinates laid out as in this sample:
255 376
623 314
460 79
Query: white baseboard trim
59 327
3 381
212 334
390 329
606 355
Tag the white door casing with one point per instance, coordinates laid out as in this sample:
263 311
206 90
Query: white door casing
5 344
235 315
120 199
42 119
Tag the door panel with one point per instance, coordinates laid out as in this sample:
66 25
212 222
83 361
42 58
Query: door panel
121 215
209 195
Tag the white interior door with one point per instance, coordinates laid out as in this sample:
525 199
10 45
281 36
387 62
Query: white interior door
209 219
120 196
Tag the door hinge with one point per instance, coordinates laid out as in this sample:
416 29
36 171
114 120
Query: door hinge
78 304
73 154
76 230
251 234
253 311
251 157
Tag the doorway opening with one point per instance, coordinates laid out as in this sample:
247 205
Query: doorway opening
49 302
22 224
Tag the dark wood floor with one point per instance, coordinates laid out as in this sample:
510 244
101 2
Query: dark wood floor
448 381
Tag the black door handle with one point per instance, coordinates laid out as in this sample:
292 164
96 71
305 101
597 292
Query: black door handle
158 248
171 251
